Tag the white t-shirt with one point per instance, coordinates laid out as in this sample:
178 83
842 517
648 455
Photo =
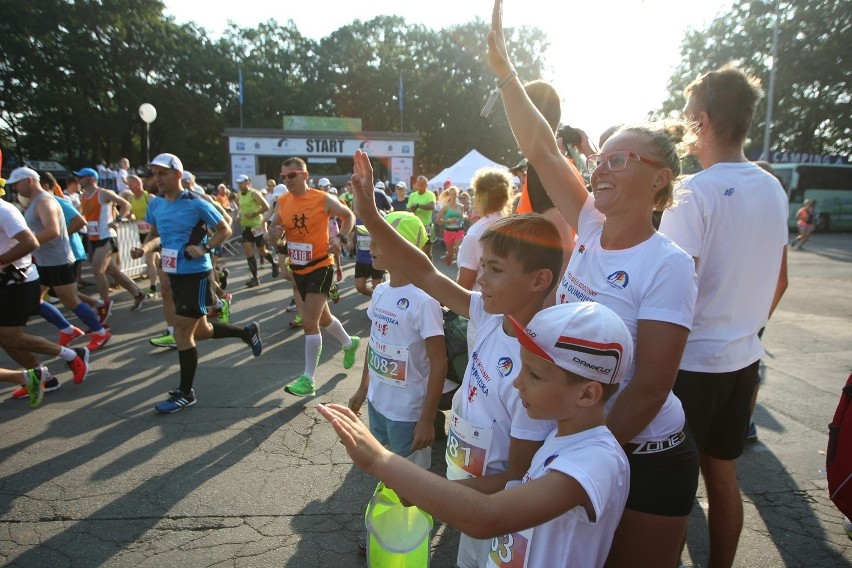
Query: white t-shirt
595 460
11 223
470 251
121 181
402 318
733 219
487 396
654 280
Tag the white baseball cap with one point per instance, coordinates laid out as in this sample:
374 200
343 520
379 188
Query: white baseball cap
167 161
585 338
380 185
186 176
241 178
279 190
401 184
19 174
323 182
332 190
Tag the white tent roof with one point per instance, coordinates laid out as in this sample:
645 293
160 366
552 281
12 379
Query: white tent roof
462 171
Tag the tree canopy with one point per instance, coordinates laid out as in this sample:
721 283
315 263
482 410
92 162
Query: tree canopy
812 97
74 73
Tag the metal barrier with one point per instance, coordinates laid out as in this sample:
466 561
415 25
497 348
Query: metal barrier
128 237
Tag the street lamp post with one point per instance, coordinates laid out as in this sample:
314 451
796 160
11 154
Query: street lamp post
770 94
148 114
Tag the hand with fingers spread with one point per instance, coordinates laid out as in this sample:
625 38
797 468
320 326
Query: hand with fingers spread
361 446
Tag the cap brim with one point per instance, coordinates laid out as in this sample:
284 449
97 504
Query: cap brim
527 342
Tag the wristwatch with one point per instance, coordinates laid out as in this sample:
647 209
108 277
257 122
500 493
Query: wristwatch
207 247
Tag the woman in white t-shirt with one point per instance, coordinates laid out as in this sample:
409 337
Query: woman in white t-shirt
490 200
622 262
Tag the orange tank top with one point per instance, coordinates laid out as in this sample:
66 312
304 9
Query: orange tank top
305 223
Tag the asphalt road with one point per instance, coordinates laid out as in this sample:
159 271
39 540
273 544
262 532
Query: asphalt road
250 477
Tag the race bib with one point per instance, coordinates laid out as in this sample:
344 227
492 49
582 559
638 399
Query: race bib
257 231
143 227
511 550
300 253
468 446
363 242
388 363
93 228
168 260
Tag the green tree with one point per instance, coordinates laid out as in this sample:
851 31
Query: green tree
812 96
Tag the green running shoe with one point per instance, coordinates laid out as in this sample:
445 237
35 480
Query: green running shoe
296 322
35 385
164 340
225 310
334 293
302 386
349 353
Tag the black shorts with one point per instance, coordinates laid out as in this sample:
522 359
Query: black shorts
248 237
61 275
191 293
19 301
364 270
663 475
718 408
318 281
95 245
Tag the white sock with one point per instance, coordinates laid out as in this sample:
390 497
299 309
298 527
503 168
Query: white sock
67 354
335 328
101 332
69 329
171 330
313 348
219 304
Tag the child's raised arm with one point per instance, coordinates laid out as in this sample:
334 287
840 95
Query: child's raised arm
475 514
401 254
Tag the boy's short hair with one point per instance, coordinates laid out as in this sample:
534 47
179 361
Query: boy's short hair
584 338
545 98
531 239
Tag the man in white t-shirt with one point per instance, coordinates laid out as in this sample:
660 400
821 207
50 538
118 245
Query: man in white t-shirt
732 219
121 176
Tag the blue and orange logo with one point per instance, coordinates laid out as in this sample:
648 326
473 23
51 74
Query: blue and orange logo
402 304
618 279
504 366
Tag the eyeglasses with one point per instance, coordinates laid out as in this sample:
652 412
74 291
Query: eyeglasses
617 161
292 175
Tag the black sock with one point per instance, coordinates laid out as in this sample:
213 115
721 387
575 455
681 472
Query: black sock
188 359
252 262
222 330
270 258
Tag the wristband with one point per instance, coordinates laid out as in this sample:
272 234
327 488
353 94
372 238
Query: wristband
505 82
495 94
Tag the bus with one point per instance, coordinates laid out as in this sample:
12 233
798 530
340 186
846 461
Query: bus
829 185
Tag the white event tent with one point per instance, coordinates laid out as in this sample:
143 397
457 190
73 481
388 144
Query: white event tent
460 173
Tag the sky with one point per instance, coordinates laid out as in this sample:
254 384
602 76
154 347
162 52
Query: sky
610 60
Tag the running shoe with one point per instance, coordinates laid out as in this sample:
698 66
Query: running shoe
48 381
98 341
223 278
751 435
275 270
225 310
296 322
291 307
164 340
253 282
137 301
254 341
847 526
104 311
349 353
35 385
303 385
80 365
334 293
177 401
65 339
152 291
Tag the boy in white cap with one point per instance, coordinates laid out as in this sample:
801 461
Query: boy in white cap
566 508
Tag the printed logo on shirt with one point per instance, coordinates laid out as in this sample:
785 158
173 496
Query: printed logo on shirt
382 328
402 304
549 460
618 279
582 249
300 224
471 393
504 366
575 288
729 192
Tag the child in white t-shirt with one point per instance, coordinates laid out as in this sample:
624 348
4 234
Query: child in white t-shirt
491 439
565 509
406 360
